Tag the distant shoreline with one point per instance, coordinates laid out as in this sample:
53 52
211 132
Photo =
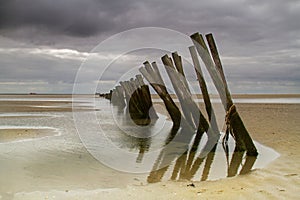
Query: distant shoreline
156 96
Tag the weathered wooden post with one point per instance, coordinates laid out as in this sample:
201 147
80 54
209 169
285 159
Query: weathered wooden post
152 74
178 64
190 114
132 103
190 109
208 107
121 101
117 97
241 135
108 95
139 102
146 97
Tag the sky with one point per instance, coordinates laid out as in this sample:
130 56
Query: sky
44 43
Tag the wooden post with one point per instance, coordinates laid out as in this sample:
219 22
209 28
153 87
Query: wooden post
146 97
133 105
189 114
139 101
121 96
152 74
178 64
219 67
206 98
190 109
214 73
216 77
242 137
188 104
237 123
117 97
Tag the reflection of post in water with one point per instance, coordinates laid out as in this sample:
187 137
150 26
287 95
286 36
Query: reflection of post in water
206 153
144 145
157 171
237 161
250 160
169 153
140 143
179 166
208 162
186 166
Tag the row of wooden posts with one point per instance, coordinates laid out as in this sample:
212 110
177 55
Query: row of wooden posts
134 95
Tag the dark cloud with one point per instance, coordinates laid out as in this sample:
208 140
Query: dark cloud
240 22
258 40
82 24
71 17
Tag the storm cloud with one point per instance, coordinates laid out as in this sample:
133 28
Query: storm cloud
70 17
244 21
43 40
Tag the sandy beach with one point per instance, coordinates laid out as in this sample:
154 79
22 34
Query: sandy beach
274 125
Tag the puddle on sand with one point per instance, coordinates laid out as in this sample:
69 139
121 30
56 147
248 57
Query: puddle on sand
19 134
211 161
215 164
178 161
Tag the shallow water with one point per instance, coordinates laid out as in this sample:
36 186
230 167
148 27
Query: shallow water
291 100
109 141
273 100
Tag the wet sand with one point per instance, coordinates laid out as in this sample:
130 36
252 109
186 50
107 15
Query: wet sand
17 134
274 125
40 103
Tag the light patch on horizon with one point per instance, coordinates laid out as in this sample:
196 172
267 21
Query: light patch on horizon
58 53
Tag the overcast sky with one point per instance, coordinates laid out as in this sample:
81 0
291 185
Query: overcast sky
44 42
